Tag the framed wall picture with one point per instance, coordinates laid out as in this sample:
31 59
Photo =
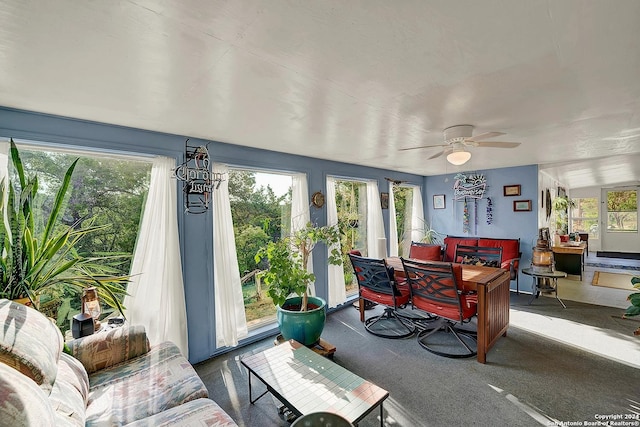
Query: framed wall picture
511 190
438 201
521 205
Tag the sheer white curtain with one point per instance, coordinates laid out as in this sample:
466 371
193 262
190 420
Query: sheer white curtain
393 226
417 216
337 287
300 215
231 323
4 175
156 290
376 240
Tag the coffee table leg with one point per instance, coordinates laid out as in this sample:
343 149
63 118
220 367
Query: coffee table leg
555 285
534 289
251 400
381 416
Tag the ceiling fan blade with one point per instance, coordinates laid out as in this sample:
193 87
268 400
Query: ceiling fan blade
495 144
437 155
484 135
423 146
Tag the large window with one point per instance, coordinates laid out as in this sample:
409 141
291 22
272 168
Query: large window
622 211
584 216
105 190
351 202
261 211
403 200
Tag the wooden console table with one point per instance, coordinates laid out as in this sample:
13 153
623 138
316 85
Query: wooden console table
569 259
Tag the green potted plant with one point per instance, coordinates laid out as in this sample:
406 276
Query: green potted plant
36 261
561 205
300 317
634 298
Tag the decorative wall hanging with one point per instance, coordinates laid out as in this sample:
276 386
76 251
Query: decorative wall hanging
489 211
198 180
521 205
472 185
317 199
465 217
511 190
439 201
547 198
384 200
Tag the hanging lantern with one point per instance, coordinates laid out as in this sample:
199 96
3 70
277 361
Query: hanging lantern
91 305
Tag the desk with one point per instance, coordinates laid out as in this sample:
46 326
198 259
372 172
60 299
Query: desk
492 285
536 288
306 382
569 259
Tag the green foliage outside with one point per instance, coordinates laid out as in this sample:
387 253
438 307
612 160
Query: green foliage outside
622 207
99 211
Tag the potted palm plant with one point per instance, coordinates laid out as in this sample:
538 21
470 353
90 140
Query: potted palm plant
43 260
300 317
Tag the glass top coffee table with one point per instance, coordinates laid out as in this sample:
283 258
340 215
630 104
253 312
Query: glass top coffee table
306 382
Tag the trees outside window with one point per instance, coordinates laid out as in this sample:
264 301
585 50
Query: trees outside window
105 190
261 212
585 217
622 211
402 197
351 202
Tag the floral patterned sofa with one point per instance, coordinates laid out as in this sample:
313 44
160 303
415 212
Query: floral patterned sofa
114 378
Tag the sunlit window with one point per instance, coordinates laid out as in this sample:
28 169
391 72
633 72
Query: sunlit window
584 216
622 211
351 201
261 212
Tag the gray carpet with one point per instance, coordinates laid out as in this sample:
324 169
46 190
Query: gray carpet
528 380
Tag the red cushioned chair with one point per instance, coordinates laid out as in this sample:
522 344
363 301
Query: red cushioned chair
425 251
436 288
376 284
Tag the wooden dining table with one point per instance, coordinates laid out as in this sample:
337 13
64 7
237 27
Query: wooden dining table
492 286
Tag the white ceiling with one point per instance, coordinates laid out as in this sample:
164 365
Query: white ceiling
353 81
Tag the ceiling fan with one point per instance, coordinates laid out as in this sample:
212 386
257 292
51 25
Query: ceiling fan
458 137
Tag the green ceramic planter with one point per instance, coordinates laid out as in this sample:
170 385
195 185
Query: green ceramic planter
302 326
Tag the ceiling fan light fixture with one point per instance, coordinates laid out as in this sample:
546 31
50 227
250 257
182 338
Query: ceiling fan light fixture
458 157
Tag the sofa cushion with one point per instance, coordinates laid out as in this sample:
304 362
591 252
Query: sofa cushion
426 252
510 250
70 392
477 260
510 247
147 385
104 349
451 242
22 402
199 412
30 343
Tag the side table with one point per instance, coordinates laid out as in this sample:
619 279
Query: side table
537 287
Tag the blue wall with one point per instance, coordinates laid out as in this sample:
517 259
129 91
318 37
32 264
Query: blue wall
197 253
506 223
